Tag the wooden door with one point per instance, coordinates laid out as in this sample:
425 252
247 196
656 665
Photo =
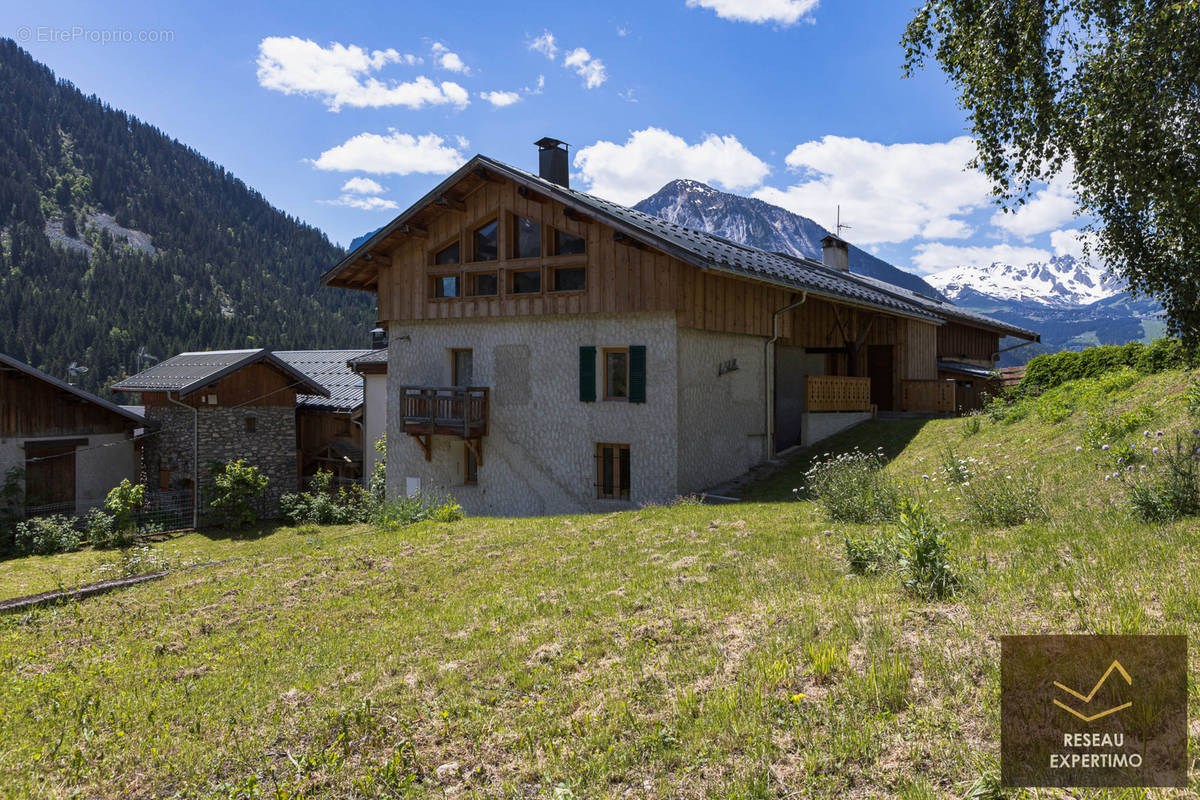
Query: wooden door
49 474
879 369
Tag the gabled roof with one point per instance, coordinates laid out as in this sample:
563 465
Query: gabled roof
373 361
189 372
330 369
12 363
701 249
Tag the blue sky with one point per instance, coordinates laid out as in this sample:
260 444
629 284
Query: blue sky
344 115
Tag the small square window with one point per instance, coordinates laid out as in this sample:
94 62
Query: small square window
446 286
486 242
447 255
570 279
527 238
251 424
612 471
567 245
484 284
527 281
616 374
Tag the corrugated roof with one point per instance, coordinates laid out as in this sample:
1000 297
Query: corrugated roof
372 357
711 252
331 370
127 413
189 372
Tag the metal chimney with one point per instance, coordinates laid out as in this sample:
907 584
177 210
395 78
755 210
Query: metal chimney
553 162
835 253
378 339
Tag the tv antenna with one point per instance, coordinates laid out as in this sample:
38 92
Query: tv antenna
141 356
840 225
75 370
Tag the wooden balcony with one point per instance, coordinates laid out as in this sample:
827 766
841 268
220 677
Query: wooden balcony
836 393
460 411
935 396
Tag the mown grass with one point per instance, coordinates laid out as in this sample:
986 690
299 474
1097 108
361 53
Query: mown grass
682 651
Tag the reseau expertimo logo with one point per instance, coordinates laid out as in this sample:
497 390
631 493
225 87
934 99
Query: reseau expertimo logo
1128 729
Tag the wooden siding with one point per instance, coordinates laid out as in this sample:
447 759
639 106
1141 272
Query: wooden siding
254 385
927 395
959 342
32 407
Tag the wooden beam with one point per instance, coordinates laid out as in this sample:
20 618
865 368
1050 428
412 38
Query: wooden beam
451 203
575 216
532 196
628 241
413 230
424 440
485 175
476 448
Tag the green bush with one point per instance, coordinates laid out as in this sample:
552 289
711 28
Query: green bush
1170 488
923 554
43 536
321 505
972 424
1191 398
377 485
404 511
101 530
1047 371
123 503
235 488
868 554
852 487
996 498
447 511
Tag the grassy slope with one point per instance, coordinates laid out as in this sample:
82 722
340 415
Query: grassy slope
684 651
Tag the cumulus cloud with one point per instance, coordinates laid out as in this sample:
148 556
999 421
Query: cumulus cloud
341 75
392 154
363 202
500 99
1073 242
362 186
592 70
448 60
544 44
650 158
1047 210
783 12
935 256
889 193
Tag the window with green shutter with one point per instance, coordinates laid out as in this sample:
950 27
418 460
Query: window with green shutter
587 374
637 373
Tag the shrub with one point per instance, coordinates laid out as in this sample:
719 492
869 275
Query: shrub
102 531
1047 371
447 511
868 555
322 506
235 488
123 502
43 536
1170 489
971 425
852 487
1191 398
923 554
377 485
996 498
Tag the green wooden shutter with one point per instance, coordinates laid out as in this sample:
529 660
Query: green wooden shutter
587 374
637 373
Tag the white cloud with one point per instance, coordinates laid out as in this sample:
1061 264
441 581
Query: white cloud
545 45
463 141
363 202
1071 242
500 99
653 157
1045 211
592 70
537 87
393 154
341 75
448 60
889 193
947 228
936 256
784 12
362 186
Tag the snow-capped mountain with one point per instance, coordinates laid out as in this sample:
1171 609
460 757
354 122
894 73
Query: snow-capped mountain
1061 281
762 225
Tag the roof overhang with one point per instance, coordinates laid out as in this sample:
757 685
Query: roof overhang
302 383
131 416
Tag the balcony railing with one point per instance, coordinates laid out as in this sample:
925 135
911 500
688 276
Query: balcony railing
837 393
927 395
445 410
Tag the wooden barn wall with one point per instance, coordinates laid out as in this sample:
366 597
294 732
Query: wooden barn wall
314 429
32 407
918 353
962 343
255 385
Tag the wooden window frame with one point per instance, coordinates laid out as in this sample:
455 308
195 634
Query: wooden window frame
553 243
472 275
448 243
515 240
435 281
468 456
251 422
554 274
500 239
454 351
510 274
605 394
620 488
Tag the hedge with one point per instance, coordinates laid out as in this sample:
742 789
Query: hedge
1047 371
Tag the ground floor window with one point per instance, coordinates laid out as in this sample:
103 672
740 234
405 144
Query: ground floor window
470 466
612 471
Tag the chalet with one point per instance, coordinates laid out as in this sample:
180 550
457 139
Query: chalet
65 447
289 413
550 351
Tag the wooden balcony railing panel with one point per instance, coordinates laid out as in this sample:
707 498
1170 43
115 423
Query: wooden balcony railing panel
448 410
928 395
837 393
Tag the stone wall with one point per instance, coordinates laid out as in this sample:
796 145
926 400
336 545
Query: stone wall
540 454
222 438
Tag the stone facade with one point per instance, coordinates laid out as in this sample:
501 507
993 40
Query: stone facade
223 437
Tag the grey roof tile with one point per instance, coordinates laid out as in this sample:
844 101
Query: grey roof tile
189 372
331 370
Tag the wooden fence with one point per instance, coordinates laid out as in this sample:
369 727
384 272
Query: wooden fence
837 393
927 395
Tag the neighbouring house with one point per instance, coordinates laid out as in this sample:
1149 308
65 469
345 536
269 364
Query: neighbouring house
65 448
373 369
550 351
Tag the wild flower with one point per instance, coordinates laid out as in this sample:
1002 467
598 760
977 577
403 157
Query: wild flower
1078 448
1104 447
